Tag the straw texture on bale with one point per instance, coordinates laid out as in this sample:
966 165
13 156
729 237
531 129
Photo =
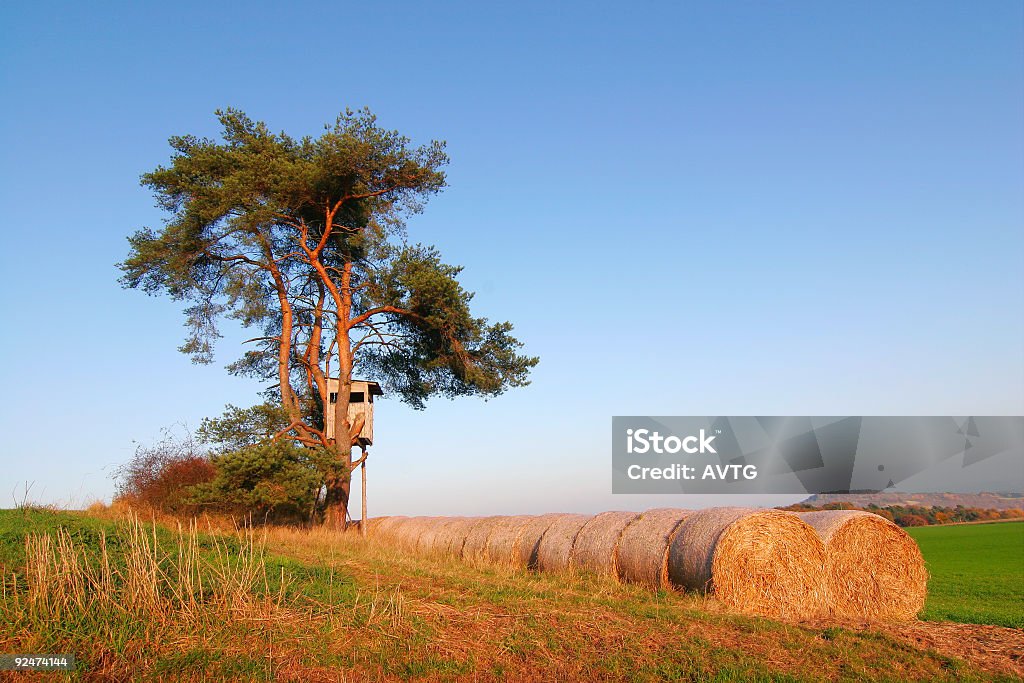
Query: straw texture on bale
528 543
397 531
408 533
476 538
450 538
555 545
873 570
596 545
373 523
388 527
642 555
429 541
501 543
766 562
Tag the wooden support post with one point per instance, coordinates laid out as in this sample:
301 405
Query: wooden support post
362 523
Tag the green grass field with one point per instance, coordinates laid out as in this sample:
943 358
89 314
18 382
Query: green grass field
976 572
315 606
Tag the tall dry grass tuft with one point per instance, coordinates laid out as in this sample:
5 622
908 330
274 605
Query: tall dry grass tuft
150 584
57 575
140 589
385 608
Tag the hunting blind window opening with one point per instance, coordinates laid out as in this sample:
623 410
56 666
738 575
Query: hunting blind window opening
360 406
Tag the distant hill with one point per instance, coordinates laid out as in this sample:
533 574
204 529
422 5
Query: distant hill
987 501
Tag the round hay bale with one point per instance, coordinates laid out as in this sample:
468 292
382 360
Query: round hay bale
451 537
643 547
388 527
766 562
431 527
501 547
873 568
596 545
407 535
428 540
476 538
373 523
401 530
555 545
528 542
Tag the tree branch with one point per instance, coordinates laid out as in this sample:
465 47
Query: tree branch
359 319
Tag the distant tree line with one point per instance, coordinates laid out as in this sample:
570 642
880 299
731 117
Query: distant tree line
916 515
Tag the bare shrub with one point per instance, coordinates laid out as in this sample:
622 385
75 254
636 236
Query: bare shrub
160 476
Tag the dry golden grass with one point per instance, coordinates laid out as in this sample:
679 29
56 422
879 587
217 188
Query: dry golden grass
149 583
479 609
360 609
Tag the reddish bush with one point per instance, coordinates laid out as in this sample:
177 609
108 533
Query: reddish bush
161 476
882 512
911 520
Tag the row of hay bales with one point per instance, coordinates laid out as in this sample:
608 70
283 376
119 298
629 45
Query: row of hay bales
768 562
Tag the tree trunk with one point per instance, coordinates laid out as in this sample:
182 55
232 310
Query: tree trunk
336 500
340 485
339 488
362 517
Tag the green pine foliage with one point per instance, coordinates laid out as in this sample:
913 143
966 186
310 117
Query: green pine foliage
244 204
275 480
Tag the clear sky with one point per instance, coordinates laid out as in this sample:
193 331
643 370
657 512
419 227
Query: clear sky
698 208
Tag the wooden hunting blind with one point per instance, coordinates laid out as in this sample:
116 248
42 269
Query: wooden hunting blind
360 404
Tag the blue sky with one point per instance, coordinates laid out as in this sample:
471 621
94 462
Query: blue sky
685 208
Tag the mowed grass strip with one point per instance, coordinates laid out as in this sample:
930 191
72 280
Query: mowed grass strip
976 572
517 625
328 607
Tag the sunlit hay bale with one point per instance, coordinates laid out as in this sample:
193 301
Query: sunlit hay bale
411 531
373 524
596 545
873 569
430 539
407 533
643 547
451 537
766 562
391 529
476 538
428 528
528 542
502 543
556 544
386 529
